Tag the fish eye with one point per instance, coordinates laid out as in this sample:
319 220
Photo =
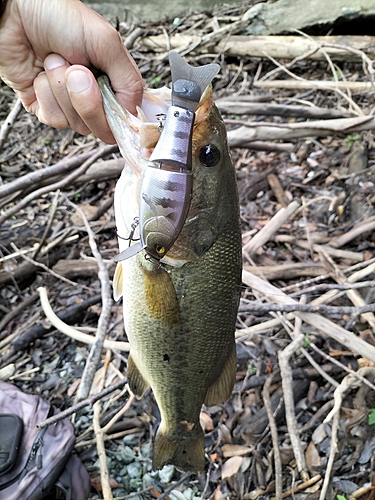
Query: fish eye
209 155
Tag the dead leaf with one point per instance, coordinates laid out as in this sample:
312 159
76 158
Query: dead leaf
73 387
87 209
215 457
312 457
231 467
206 422
234 450
97 484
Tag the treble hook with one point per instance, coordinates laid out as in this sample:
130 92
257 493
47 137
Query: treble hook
133 226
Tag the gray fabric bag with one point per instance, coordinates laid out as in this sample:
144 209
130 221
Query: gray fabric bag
33 462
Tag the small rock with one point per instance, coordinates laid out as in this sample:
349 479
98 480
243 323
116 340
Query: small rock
166 473
134 469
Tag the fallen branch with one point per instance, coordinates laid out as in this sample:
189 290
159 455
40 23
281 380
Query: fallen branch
82 404
314 84
69 315
334 252
287 271
255 307
73 332
280 47
103 467
239 107
353 295
344 337
57 185
357 230
269 229
33 179
254 131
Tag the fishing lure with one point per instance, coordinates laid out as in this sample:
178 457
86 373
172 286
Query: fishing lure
168 180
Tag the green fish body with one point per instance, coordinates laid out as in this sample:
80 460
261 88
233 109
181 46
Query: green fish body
180 314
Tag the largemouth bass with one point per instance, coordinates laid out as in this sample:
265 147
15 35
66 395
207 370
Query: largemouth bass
179 311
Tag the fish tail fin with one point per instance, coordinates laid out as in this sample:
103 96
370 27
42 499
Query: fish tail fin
187 453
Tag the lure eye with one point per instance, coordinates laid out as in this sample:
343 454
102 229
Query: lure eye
160 250
209 155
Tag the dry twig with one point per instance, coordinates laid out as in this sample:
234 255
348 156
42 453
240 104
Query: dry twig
73 332
99 435
82 404
344 337
269 229
274 436
9 122
103 322
287 383
53 187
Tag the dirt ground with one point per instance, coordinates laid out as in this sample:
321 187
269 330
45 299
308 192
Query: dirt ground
320 255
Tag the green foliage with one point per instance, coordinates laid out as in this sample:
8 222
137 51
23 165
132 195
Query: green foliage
371 416
341 497
349 139
156 80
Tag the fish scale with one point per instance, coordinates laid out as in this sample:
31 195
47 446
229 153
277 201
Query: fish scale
180 313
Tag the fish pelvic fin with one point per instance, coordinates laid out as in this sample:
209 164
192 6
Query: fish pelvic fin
221 389
186 453
117 282
138 385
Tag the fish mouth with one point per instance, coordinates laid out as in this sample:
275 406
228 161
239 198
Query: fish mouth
137 135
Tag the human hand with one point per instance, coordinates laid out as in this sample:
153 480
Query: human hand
47 51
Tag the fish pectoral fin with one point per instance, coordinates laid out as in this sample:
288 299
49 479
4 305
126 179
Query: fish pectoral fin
117 282
186 452
137 383
161 297
221 389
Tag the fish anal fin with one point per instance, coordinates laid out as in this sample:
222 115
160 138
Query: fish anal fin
137 383
117 282
185 452
221 389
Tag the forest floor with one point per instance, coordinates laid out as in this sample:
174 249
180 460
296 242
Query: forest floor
315 257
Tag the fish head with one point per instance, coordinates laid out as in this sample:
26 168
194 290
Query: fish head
214 189
137 137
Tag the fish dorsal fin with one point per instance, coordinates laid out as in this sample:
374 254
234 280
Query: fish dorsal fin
201 75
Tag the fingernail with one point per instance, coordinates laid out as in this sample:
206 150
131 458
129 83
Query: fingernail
78 81
54 61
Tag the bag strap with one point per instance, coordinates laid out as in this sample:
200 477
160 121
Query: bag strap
65 483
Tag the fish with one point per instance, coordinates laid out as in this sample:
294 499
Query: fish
180 310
